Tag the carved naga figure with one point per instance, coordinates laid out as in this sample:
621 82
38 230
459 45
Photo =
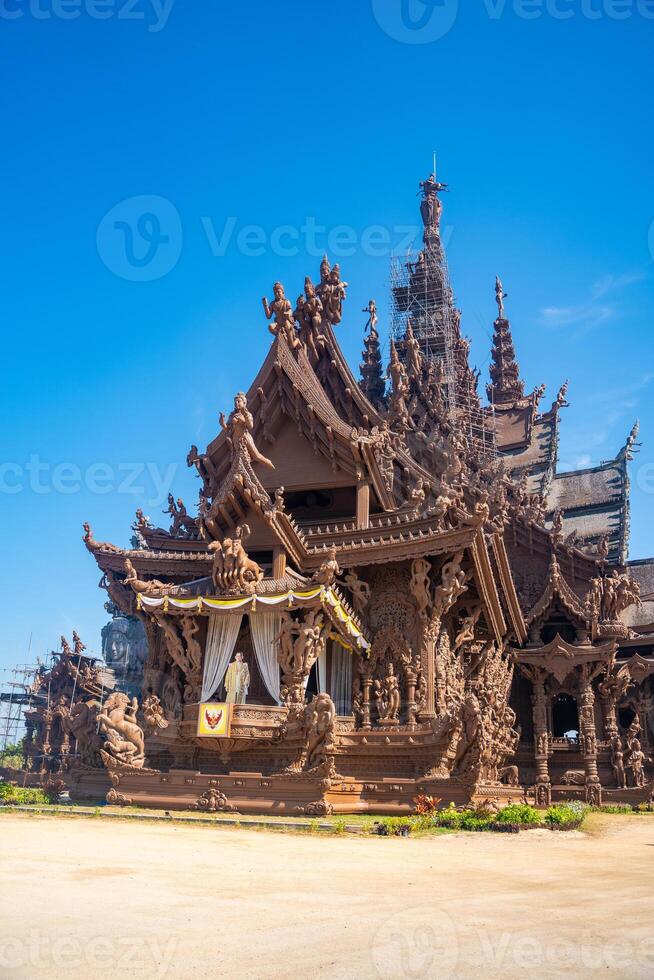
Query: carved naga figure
124 737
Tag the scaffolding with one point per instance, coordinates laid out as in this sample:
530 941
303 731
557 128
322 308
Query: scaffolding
16 696
421 294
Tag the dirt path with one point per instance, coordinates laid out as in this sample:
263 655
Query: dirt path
103 899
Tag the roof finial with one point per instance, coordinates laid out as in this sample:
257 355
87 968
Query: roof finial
500 296
506 385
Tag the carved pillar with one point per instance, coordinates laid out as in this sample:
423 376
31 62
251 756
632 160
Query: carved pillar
411 681
644 707
588 739
279 562
541 741
365 706
363 505
429 668
610 715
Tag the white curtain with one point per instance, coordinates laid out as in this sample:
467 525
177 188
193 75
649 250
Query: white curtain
221 639
341 685
265 627
322 671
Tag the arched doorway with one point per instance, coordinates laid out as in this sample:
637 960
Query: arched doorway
565 716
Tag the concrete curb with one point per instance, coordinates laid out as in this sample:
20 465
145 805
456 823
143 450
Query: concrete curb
177 817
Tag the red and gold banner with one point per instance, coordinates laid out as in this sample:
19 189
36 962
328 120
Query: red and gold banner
214 720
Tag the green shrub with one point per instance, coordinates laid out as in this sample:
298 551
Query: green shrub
520 814
21 796
566 816
450 818
471 821
11 757
393 826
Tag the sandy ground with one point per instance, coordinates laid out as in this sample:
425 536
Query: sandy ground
95 898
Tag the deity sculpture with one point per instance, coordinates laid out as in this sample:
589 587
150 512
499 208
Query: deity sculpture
617 761
309 314
387 696
373 319
284 322
181 520
239 427
331 292
414 360
124 736
430 206
329 570
360 591
636 763
500 296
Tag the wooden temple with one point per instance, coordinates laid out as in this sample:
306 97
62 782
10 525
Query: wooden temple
387 589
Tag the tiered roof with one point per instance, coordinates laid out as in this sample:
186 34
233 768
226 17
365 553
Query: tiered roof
311 460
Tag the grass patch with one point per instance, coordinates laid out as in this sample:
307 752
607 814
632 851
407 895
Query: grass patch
22 796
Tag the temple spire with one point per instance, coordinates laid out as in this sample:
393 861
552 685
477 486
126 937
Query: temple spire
373 384
506 385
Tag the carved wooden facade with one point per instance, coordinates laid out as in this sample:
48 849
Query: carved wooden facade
380 525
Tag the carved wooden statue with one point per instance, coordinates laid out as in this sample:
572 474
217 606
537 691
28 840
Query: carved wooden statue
284 322
239 429
233 571
124 736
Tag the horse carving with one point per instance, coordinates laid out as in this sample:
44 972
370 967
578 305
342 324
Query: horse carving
124 737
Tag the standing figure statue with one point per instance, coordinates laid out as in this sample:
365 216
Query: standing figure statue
284 322
637 763
239 428
373 319
413 353
617 762
309 313
237 681
430 206
500 296
387 696
331 291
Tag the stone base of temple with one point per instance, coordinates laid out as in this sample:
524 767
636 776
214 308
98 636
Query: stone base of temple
280 795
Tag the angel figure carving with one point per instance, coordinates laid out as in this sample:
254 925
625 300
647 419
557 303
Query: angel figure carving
124 737
239 427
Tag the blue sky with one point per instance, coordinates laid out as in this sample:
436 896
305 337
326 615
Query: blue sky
259 125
